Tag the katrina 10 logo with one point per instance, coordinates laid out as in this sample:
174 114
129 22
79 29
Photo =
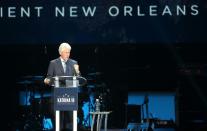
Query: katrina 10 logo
66 99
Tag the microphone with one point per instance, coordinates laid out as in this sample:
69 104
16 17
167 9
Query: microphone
45 49
77 71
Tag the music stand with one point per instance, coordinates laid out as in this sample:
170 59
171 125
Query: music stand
66 96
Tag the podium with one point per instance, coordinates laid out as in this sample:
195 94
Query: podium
66 96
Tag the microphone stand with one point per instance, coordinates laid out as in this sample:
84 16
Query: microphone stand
146 102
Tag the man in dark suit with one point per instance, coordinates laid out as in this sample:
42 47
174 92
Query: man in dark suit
63 66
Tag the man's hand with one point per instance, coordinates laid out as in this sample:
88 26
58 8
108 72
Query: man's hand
47 81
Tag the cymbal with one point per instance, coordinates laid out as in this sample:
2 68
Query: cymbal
94 73
36 79
33 77
25 82
31 80
91 86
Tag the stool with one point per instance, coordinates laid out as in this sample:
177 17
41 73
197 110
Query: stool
100 115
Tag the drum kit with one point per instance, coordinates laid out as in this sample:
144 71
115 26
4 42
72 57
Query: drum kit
36 104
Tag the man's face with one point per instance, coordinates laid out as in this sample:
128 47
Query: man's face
65 54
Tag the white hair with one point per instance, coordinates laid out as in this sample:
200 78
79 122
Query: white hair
63 46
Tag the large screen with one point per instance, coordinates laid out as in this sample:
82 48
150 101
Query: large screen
102 21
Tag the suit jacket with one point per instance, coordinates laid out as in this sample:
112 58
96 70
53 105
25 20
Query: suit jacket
56 69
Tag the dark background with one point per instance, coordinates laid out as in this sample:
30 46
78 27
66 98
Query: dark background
129 67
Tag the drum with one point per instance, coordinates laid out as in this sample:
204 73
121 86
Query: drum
88 106
24 98
42 104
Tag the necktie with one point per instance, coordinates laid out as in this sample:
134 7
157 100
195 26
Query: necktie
64 66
